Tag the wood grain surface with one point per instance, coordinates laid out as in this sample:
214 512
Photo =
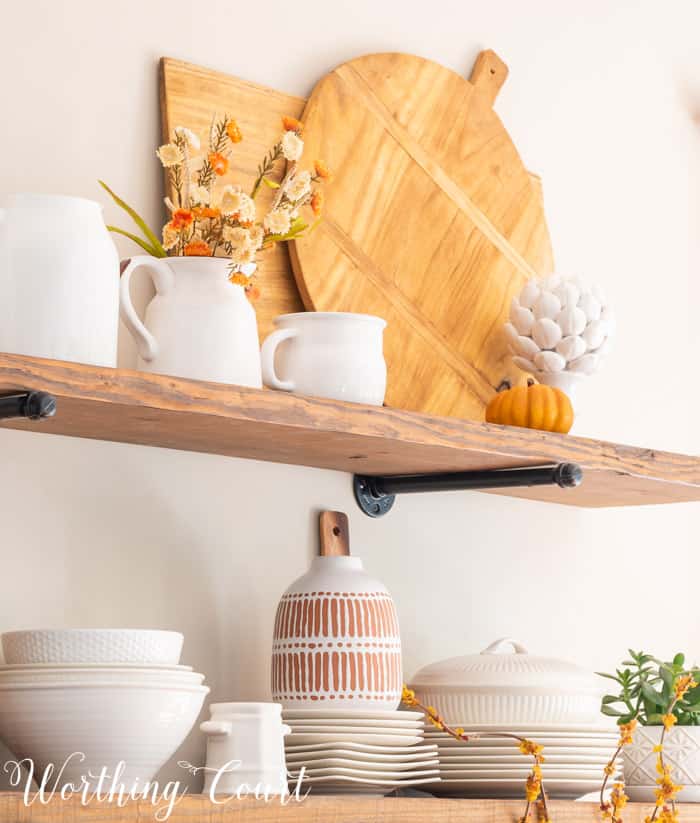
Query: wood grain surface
136 407
332 809
189 96
334 533
431 222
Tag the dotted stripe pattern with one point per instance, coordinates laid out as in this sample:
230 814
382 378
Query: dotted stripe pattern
336 646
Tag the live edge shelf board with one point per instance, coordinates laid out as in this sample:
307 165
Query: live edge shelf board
338 809
135 407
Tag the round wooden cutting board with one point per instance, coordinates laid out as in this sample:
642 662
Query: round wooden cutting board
431 222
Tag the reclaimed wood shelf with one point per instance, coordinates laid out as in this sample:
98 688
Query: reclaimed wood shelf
154 410
338 809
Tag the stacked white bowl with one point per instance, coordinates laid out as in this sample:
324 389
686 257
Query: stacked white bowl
94 698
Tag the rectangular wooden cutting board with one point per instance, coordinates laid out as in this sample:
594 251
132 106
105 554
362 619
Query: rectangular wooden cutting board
189 95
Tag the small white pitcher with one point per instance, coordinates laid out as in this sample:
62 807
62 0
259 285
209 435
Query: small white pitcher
338 355
198 325
252 735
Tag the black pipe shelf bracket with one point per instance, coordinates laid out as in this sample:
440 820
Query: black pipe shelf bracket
375 495
33 405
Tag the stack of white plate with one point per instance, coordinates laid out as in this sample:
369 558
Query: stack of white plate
575 757
86 699
356 752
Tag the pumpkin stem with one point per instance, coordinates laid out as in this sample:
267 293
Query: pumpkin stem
530 381
504 385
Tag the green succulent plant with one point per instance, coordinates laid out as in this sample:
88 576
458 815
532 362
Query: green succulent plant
646 690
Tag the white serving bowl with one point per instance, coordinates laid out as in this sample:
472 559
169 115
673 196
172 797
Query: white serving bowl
85 676
92 646
509 690
141 724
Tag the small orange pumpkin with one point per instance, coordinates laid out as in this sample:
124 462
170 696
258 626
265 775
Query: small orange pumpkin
534 406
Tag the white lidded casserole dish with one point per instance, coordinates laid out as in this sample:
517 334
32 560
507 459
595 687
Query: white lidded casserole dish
497 688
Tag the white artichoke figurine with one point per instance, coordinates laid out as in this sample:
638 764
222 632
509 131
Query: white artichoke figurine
559 331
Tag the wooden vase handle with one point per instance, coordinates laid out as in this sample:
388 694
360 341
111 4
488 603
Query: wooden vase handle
335 534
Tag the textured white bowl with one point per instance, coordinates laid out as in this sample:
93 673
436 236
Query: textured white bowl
495 688
141 724
92 646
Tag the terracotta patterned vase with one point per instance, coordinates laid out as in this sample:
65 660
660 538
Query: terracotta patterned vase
336 640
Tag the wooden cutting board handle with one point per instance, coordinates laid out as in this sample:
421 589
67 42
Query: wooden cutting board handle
489 74
335 534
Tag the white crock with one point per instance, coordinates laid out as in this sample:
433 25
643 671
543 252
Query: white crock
198 325
336 641
338 355
509 689
59 280
252 735
681 753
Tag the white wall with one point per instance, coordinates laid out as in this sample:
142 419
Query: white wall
603 100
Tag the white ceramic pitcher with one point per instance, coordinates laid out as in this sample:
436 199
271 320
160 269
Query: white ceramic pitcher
252 736
198 325
327 354
59 280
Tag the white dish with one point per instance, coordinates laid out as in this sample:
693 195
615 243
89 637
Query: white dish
372 774
141 724
40 667
492 752
512 788
340 714
97 674
339 781
331 723
548 773
92 646
367 748
360 763
607 730
517 760
501 742
645 794
296 739
339 731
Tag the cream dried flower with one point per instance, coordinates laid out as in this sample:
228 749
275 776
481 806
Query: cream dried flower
170 236
278 221
170 155
231 199
235 201
246 209
292 146
190 138
200 194
257 235
243 254
236 236
298 186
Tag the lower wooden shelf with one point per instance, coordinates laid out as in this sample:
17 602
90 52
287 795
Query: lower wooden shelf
156 410
337 809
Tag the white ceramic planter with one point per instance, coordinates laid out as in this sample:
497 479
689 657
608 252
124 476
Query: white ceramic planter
198 325
59 280
681 753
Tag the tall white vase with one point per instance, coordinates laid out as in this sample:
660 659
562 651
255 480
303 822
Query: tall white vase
59 280
198 325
